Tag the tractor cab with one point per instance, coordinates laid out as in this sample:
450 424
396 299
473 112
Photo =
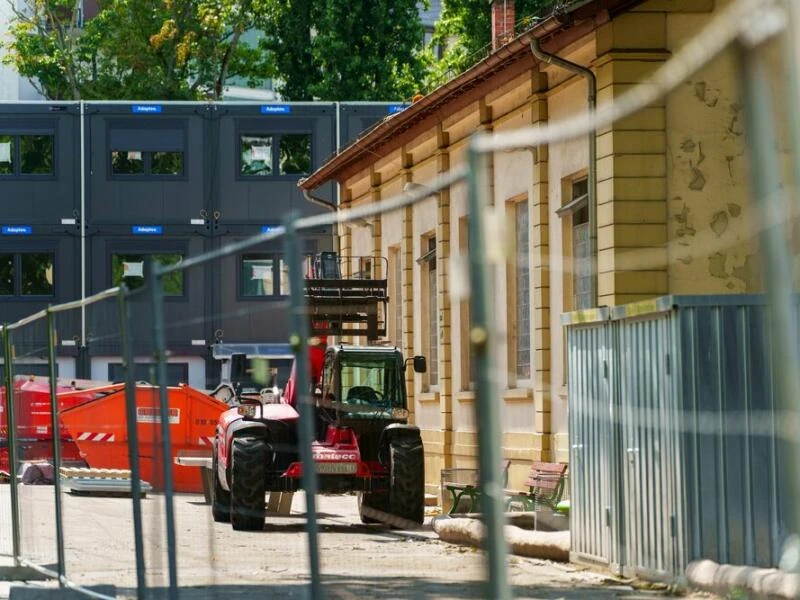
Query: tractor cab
361 382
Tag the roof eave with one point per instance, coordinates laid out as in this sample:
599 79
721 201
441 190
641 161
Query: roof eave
548 32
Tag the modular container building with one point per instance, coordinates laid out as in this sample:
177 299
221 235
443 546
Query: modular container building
96 193
674 425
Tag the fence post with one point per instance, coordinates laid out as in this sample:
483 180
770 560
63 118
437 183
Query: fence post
157 297
771 203
133 440
51 359
298 339
11 423
486 403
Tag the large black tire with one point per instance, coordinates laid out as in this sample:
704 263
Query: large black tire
248 480
407 479
376 500
220 497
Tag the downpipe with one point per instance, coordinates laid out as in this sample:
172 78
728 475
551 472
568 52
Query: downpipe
591 84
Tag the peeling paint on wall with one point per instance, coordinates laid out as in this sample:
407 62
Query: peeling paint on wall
749 273
698 181
736 126
716 265
707 95
719 223
685 229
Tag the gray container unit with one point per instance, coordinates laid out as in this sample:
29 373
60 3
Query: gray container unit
40 267
357 118
127 257
251 303
149 163
698 455
594 473
39 164
260 152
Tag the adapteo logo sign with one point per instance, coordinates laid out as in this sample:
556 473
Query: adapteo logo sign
396 108
17 230
147 230
147 109
275 109
269 228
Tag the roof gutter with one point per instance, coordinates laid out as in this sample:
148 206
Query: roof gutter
591 84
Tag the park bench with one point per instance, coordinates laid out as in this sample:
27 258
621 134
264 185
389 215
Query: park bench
545 485
471 491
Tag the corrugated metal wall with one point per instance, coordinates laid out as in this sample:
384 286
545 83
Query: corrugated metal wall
697 461
730 448
593 431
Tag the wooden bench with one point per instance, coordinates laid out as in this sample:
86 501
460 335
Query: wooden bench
471 491
545 485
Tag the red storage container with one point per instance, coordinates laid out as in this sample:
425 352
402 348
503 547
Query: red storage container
99 429
34 428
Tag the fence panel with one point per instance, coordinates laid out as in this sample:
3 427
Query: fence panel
33 440
595 512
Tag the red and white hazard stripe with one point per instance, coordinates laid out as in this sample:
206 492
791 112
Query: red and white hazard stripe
90 436
205 440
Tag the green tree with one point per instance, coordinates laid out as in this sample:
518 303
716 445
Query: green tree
340 50
465 31
134 49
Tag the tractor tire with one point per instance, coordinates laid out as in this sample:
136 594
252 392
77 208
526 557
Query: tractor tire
376 500
248 480
220 498
407 479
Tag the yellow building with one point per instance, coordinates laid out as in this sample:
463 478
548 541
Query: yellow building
672 212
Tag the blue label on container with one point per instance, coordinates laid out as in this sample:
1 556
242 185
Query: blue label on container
396 108
147 230
275 109
17 230
269 228
146 109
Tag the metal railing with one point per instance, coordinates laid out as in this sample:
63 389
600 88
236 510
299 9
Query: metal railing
745 25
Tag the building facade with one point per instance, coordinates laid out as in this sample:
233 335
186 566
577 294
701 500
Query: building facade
673 213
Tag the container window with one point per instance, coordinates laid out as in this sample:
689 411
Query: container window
36 154
37 274
173 282
176 372
256 155
6 154
263 276
6 274
295 154
127 162
131 269
25 154
167 163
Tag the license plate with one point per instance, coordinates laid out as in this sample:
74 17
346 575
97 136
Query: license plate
336 468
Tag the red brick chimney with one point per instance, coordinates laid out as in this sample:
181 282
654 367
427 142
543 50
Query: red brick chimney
503 17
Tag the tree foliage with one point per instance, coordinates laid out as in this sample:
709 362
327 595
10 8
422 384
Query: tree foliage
188 49
465 31
135 49
340 50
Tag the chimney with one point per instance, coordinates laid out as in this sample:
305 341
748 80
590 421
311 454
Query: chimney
503 17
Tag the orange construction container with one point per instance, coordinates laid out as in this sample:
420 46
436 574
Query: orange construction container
99 429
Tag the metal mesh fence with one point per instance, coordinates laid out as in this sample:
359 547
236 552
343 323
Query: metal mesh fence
206 502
